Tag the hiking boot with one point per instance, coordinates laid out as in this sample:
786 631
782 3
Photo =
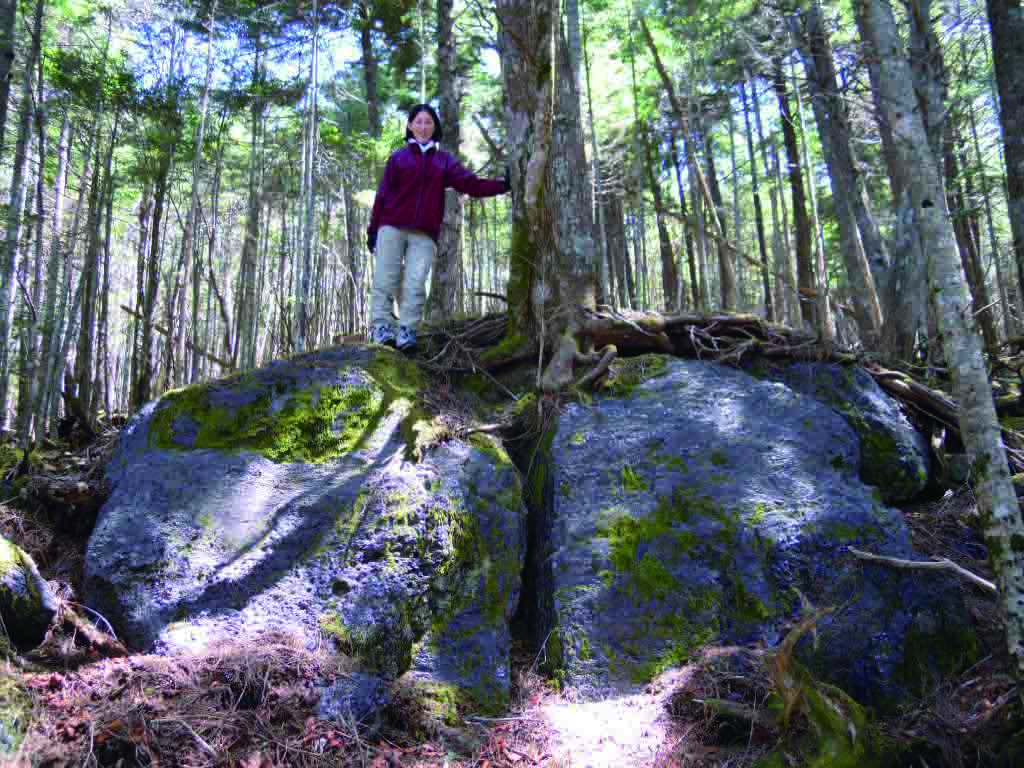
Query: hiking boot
382 333
406 340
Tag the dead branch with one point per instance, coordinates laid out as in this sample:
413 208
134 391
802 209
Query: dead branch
163 332
925 565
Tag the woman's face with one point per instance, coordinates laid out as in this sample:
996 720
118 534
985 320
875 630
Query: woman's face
422 127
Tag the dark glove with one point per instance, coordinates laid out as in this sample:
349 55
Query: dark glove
371 240
507 178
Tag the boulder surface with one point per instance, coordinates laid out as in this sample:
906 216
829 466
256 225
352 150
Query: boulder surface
290 499
706 505
27 606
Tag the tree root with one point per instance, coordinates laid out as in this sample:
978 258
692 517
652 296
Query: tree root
469 346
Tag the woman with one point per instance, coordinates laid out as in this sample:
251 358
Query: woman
406 223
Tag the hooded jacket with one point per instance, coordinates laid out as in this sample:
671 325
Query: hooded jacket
411 192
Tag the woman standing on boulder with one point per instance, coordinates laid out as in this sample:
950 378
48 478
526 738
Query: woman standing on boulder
406 222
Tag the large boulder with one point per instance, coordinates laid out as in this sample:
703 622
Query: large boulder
306 498
704 504
27 606
894 456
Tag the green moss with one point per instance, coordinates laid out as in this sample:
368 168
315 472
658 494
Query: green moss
15 713
489 446
840 733
9 458
758 515
628 373
13 558
631 481
718 458
313 425
508 347
748 607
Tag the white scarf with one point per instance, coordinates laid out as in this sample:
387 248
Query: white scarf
423 147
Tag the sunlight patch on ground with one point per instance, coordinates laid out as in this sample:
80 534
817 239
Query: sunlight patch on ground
614 733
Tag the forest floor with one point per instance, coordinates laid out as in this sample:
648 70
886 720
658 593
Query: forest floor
254 707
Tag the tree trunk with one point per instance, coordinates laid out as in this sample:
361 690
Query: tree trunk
726 262
8 27
691 259
778 258
1006 19
447 273
369 58
245 313
826 323
53 270
144 382
668 265
986 194
607 274
801 221
187 237
762 248
551 207
979 425
853 219
967 245
14 226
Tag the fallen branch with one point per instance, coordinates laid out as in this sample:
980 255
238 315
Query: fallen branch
163 332
925 565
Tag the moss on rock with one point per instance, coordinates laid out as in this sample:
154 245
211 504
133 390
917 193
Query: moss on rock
15 712
313 424
628 373
26 606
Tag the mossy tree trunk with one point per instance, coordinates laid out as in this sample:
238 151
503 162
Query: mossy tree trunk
979 426
552 221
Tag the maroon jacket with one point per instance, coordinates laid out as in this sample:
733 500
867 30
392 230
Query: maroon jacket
411 193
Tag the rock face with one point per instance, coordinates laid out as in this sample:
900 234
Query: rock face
707 505
894 455
289 500
27 606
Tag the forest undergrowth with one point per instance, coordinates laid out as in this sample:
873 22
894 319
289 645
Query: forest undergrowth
89 703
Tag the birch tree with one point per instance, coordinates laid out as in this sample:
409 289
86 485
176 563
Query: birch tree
962 345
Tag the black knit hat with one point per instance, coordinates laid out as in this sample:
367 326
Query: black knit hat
416 109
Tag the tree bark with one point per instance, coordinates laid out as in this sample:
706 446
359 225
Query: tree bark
8 21
53 271
861 243
369 58
14 226
447 273
762 248
979 425
245 313
187 236
801 221
726 262
1006 20
669 276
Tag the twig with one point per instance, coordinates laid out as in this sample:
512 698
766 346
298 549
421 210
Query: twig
98 615
925 565
199 739
542 647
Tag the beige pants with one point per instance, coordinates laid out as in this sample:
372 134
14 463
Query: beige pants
417 250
